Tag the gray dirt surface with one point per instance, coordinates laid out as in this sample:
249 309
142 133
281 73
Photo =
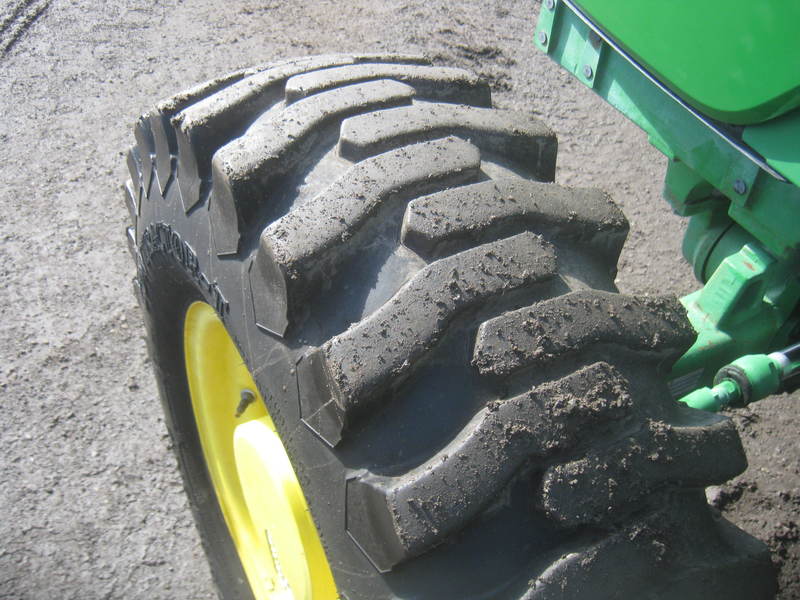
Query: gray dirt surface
91 502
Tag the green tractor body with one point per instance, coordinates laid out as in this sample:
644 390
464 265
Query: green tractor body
737 62
716 86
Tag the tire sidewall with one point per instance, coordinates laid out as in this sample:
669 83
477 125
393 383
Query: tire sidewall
174 271
168 291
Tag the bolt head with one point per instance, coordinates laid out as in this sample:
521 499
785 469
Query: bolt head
542 38
739 186
550 4
587 71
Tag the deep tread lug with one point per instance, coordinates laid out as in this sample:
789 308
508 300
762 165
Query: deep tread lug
196 129
205 126
166 148
244 168
474 213
443 84
146 151
658 555
134 163
316 237
598 488
395 518
560 326
130 237
396 336
526 141
405 59
131 197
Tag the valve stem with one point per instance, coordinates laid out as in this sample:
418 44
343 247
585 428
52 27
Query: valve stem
246 399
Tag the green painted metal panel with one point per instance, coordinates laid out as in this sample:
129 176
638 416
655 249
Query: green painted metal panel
778 141
737 61
764 206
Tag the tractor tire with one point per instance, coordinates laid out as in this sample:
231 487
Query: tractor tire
470 407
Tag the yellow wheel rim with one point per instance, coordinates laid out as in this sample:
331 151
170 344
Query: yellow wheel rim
256 487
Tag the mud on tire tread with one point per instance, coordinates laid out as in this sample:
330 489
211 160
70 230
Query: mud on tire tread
436 331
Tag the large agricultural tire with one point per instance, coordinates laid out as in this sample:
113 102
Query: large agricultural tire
471 409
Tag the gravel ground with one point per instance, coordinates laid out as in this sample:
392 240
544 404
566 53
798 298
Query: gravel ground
91 502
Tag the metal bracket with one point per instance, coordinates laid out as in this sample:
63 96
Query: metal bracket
543 36
586 69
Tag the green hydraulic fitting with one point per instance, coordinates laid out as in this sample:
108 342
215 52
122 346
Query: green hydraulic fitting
713 399
747 379
757 375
